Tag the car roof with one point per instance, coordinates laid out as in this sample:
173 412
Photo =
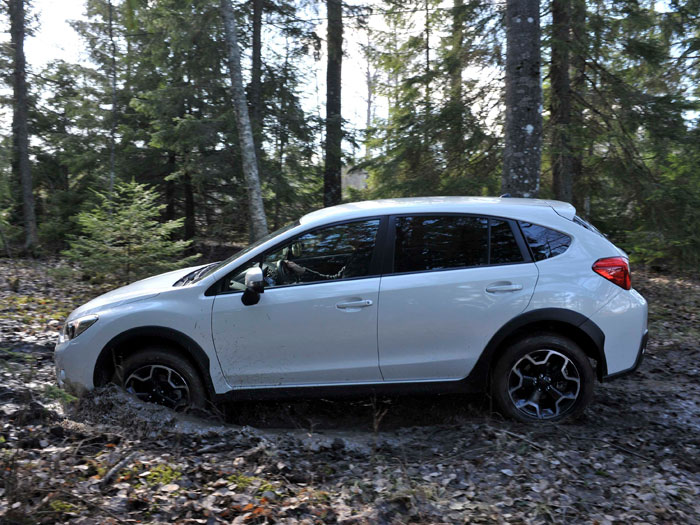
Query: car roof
516 208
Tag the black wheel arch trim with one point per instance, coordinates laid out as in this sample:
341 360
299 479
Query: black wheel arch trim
190 347
479 375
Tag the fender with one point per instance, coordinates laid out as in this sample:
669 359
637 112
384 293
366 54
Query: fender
577 326
142 335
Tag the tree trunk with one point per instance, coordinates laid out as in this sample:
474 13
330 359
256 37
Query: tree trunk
455 139
113 82
580 50
562 160
256 75
334 133
427 63
170 189
258 220
189 207
523 129
20 131
370 77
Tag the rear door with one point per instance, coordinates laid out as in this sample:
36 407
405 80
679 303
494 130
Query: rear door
454 281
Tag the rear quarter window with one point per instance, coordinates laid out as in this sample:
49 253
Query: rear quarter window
544 242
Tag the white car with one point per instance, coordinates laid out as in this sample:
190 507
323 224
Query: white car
517 296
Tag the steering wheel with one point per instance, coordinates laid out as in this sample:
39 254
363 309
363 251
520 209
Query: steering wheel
283 274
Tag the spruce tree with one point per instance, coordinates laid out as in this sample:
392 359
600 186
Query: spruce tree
121 239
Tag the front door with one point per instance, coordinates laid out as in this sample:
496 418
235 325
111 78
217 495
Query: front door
315 323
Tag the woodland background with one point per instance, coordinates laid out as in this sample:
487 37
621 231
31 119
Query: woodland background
154 105
135 157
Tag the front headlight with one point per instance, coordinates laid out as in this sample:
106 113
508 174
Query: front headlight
74 328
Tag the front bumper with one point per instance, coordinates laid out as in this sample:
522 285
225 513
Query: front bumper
75 364
637 362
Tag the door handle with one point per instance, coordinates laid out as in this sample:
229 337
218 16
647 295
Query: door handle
503 287
355 304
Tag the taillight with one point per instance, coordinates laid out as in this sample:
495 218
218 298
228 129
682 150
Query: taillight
614 269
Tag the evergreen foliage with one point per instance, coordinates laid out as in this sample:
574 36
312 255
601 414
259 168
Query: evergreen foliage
435 117
121 239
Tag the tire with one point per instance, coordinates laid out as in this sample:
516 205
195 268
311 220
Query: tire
543 377
161 376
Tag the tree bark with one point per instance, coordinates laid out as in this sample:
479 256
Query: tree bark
523 128
578 63
258 221
20 130
170 189
189 207
370 77
256 74
334 133
455 139
562 159
113 82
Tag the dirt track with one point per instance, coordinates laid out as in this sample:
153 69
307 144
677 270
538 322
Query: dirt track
633 457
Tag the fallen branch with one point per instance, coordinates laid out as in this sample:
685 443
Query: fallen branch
107 479
625 449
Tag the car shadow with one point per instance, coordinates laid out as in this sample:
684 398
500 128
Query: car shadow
360 413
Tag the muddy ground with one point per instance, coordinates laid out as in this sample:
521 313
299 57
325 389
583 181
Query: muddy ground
634 457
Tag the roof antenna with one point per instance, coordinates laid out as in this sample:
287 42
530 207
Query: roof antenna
505 196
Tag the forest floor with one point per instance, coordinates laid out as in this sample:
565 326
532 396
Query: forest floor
634 457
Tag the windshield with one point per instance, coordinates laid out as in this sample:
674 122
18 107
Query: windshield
212 268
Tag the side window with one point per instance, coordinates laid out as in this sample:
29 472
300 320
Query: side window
504 247
544 242
342 251
437 242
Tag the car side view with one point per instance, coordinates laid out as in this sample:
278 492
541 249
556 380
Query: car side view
517 297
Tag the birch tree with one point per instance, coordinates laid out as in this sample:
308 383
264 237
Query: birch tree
245 132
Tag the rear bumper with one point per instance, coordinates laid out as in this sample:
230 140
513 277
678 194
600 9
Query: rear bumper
637 362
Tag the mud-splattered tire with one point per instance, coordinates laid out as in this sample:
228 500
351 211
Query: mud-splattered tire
160 376
543 377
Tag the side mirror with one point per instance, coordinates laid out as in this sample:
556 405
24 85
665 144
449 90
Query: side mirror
254 286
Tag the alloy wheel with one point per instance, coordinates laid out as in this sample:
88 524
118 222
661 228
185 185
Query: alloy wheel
544 384
159 384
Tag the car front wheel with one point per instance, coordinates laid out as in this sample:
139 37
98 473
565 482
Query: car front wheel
163 377
544 377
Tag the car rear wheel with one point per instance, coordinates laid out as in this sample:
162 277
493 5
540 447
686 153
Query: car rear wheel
544 377
163 377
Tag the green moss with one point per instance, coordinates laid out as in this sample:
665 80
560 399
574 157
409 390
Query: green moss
28 309
264 487
62 507
241 480
162 475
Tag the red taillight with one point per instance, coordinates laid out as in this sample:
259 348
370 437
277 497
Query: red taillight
614 269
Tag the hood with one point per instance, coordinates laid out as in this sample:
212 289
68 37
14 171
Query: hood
143 289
